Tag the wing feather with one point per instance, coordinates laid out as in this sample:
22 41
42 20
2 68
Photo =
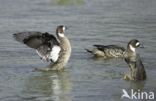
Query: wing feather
103 47
46 45
111 50
35 39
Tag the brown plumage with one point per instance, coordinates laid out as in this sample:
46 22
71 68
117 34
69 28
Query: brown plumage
49 48
136 67
108 51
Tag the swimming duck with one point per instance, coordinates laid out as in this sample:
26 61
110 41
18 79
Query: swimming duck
56 50
132 58
107 51
137 70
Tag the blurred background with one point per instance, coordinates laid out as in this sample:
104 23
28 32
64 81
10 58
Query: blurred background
91 22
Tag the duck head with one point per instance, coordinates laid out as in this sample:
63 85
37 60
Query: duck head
133 44
60 31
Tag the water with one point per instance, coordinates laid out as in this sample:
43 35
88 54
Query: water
91 22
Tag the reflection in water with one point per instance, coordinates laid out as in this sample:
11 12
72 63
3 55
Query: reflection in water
69 2
48 86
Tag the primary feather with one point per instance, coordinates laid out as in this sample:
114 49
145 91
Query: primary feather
42 42
35 39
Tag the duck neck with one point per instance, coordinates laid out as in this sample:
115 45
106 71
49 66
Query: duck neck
60 36
138 71
131 49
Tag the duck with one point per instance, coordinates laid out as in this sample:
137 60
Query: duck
132 58
56 50
107 51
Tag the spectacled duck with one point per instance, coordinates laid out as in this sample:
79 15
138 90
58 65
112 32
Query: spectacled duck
137 70
56 50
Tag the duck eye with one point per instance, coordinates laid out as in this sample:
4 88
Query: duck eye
137 44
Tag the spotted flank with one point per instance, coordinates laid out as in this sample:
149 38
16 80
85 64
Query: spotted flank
109 51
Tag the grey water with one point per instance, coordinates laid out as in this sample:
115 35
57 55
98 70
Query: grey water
91 22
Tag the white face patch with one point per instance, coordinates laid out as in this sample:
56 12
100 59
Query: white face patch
137 44
54 54
132 48
61 34
64 28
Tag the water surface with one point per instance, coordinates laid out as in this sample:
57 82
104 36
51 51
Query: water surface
92 22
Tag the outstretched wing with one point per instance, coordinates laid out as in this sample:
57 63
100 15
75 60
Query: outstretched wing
35 39
49 53
46 45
